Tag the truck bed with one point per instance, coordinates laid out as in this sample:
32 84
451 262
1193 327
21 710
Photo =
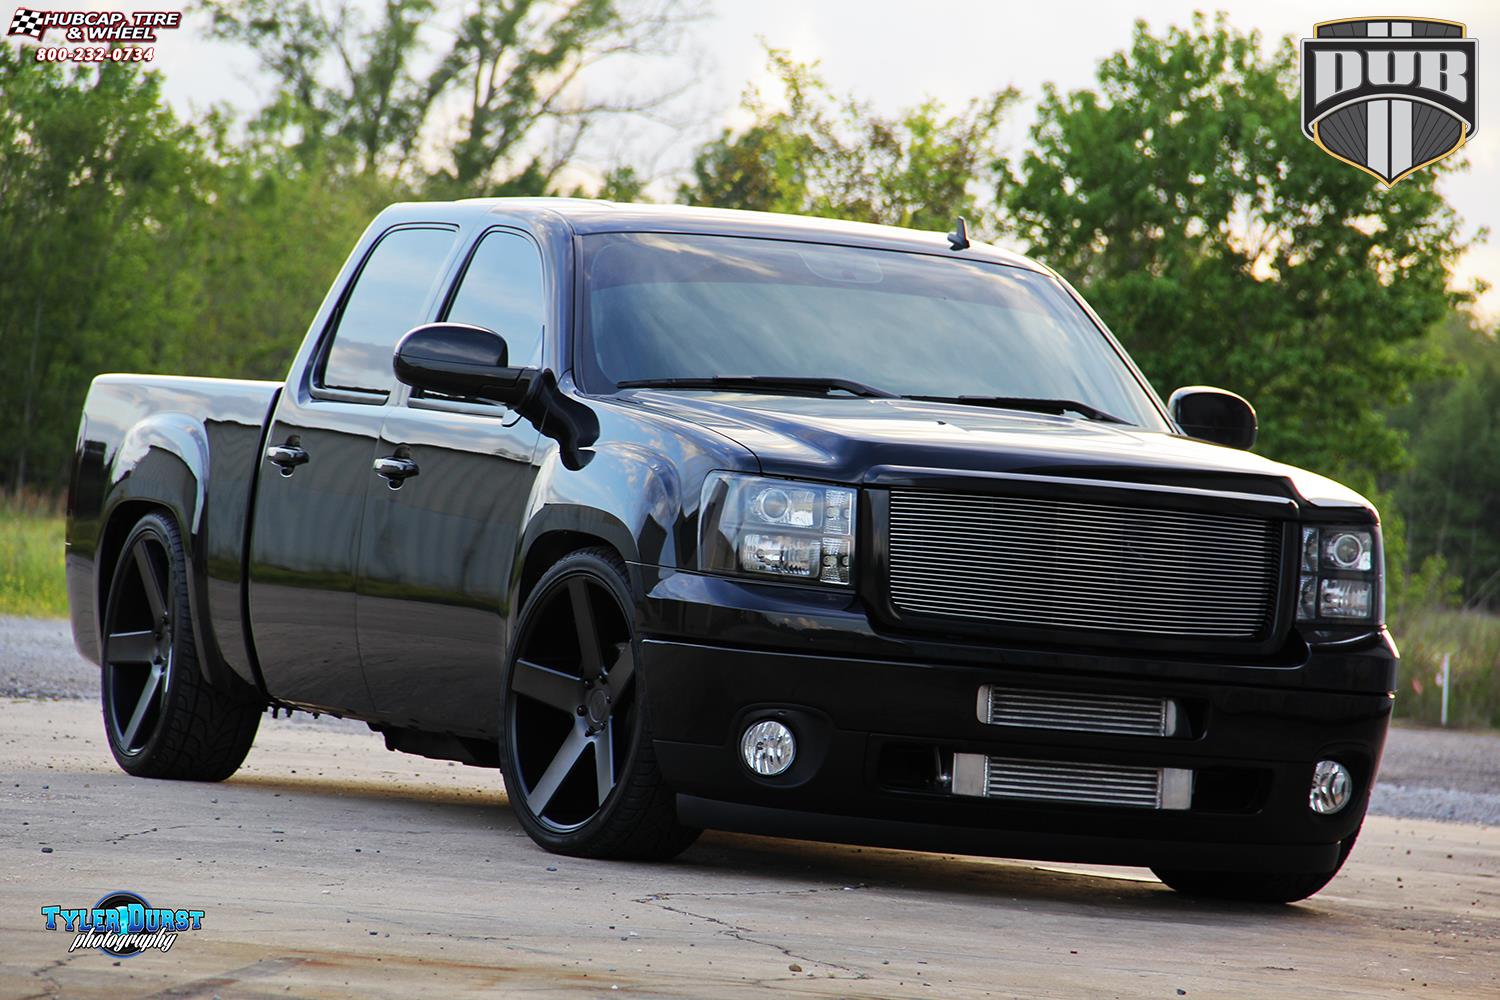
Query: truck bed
157 440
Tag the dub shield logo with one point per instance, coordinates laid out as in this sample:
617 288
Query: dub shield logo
1389 95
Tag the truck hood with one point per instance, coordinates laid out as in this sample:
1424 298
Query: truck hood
855 440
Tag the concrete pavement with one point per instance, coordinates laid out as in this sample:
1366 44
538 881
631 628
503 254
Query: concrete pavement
331 867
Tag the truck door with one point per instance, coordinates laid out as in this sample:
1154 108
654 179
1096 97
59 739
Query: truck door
310 493
441 528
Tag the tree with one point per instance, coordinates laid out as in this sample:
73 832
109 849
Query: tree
825 156
1223 247
96 177
1451 490
132 241
512 71
274 235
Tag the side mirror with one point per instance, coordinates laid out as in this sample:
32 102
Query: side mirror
1214 415
460 360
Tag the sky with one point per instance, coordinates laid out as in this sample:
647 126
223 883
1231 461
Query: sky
894 54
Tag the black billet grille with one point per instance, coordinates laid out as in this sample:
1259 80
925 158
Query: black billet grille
1082 565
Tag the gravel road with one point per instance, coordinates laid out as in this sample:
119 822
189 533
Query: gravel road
1428 773
37 660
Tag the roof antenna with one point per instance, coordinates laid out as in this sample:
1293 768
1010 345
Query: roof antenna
959 238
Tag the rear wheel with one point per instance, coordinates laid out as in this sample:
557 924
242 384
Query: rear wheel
575 744
163 720
1253 887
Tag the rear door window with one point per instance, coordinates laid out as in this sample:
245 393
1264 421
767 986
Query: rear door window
389 297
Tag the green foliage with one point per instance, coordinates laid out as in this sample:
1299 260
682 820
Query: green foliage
1414 582
825 156
96 177
131 241
1451 489
31 558
1225 248
370 91
272 238
622 183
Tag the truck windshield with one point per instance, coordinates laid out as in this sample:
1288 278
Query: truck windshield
660 307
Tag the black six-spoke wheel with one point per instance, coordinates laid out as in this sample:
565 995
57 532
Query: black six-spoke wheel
575 744
163 720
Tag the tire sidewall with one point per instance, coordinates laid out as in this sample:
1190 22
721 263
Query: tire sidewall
597 567
159 528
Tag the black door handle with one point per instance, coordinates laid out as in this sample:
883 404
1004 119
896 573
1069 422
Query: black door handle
395 470
286 457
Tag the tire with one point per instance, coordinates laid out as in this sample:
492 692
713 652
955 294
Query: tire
161 718
1254 887
570 705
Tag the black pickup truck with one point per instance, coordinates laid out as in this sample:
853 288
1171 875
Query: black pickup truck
687 518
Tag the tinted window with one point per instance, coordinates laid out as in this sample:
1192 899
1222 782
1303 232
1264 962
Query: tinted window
387 300
659 306
501 290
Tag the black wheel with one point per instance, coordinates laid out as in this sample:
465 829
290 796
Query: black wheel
575 745
1254 887
162 718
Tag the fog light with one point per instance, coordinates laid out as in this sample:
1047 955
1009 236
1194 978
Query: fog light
1331 787
768 748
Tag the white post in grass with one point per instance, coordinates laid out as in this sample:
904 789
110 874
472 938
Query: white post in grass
1446 685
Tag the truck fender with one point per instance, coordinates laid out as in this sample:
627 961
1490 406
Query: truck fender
163 461
572 520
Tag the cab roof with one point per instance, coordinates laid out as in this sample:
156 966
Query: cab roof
585 216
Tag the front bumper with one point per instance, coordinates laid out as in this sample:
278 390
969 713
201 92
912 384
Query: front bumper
863 722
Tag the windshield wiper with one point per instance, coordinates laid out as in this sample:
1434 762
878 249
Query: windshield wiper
754 383
1058 406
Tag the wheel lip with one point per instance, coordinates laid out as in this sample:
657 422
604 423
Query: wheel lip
540 599
149 535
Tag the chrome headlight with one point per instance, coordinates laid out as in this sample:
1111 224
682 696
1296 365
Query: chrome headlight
776 528
1340 578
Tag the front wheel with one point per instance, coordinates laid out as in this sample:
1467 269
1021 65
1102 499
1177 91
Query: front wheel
575 743
163 720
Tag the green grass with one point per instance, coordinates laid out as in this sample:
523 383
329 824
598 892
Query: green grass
1473 639
31 557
